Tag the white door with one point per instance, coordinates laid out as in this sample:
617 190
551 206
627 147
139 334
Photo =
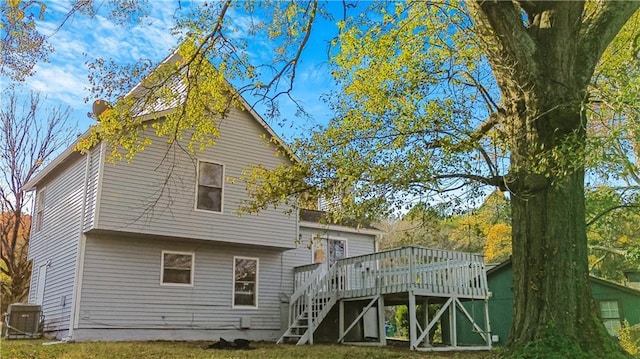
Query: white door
42 279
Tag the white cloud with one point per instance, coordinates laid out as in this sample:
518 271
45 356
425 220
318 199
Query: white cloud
63 83
64 79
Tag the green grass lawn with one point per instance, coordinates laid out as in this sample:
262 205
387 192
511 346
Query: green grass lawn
34 349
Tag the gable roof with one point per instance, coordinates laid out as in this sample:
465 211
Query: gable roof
156 112
507 265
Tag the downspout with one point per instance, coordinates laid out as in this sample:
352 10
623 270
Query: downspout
77 282
297 238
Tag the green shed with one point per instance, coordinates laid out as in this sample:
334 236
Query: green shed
616 303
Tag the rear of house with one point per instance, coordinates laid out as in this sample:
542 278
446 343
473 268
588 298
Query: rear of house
156 249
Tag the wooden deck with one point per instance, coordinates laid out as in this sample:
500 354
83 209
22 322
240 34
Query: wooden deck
395 276
429 272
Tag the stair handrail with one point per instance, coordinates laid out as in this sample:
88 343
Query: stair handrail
333 285
298 300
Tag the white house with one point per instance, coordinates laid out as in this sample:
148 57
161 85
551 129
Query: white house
154 249
119 254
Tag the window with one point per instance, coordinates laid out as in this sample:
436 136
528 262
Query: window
610 314
245 282
337 250
40 212
210 178
177 268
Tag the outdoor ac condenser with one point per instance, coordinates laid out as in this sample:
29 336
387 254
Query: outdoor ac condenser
23 321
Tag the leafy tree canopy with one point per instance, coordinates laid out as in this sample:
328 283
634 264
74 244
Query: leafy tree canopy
435 102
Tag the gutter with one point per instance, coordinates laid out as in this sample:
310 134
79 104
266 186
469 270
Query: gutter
334 227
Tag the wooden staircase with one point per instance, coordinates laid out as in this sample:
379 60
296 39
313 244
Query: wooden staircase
310 304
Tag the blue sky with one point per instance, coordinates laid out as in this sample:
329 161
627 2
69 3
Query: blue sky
63 79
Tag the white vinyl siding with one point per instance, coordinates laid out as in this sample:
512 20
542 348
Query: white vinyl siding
136 197
245 282
56 244
95 157
120 291
177 268
120 285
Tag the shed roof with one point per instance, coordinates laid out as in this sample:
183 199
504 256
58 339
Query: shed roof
507 265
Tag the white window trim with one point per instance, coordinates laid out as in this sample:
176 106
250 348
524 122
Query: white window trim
224 176
620 314
193 265
41 197
233 286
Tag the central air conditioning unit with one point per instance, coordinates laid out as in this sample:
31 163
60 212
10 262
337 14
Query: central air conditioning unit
23 321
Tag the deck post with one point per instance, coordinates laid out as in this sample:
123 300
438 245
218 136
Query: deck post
487 325
426 342
413 325
341 321
382 332
310 328
453 330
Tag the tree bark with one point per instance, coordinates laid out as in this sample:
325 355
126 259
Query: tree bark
543 66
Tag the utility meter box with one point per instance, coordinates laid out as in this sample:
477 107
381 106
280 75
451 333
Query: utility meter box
23 321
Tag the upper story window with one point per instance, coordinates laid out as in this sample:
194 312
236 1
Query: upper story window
40 210
210 180
177 268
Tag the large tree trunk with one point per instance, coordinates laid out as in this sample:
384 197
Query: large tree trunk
553 304
543 55
550 262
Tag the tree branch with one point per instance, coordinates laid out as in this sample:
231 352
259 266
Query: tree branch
616 251
609 210
500 25
598 31
496 181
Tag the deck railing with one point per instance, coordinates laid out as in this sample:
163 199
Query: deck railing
301 274
432 271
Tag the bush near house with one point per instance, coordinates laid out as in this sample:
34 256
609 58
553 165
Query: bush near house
630 339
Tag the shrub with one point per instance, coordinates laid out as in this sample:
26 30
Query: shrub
630 338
